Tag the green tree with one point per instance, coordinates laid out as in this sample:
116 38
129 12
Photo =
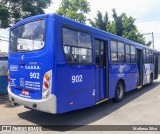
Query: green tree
111 28
121 25
118 23
4 15
125 27
74 9
100 22
12 11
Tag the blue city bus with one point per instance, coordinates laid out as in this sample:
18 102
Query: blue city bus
57 65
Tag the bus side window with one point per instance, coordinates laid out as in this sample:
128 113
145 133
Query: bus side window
114 50
77 46
67 51
133 54
117 52
97 52
128 55
144 55
121 52
148 56
100 53
151 56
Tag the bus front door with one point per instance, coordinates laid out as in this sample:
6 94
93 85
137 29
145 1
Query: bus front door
101 69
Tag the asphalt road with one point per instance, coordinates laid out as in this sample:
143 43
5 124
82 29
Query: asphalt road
139 107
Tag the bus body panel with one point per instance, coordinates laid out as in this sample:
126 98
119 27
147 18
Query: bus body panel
62 90
23 81
21 70
124 72
27 69
72 95
81 86
131 77
61 84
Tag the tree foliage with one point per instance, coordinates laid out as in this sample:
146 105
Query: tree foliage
74 9
126 28
4 15
121 25
12 11
100 22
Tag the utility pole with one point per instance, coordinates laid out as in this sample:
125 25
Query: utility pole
153 39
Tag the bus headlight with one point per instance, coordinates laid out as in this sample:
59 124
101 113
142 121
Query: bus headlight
47 84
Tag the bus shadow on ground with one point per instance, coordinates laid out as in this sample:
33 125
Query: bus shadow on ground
75 119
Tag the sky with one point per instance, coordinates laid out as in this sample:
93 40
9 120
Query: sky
146 13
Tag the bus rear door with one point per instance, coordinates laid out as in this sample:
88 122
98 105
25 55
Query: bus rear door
140 66
101 55
155 66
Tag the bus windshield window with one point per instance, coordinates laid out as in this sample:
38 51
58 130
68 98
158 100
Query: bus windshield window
28 37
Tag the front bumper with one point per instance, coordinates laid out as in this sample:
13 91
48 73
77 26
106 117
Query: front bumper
48 105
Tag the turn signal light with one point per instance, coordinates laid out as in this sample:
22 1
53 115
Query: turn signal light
47 77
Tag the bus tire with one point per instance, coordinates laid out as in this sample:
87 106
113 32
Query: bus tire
151 80
119 92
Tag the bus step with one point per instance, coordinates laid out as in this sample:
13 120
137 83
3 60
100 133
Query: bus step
102 101
138 87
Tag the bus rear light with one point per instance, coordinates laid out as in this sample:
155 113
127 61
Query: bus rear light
47 77
46 84
45 93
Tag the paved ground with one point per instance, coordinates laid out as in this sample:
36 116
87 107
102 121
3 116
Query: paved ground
139 107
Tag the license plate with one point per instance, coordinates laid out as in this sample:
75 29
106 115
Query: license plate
24 92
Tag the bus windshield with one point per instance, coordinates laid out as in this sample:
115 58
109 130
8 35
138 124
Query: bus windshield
28 37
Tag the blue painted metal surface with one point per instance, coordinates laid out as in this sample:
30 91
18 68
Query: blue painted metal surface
3 75
3 85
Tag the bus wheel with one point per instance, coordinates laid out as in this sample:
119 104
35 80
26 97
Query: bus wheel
119 92
151 80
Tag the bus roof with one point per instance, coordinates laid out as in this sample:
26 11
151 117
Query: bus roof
83 27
